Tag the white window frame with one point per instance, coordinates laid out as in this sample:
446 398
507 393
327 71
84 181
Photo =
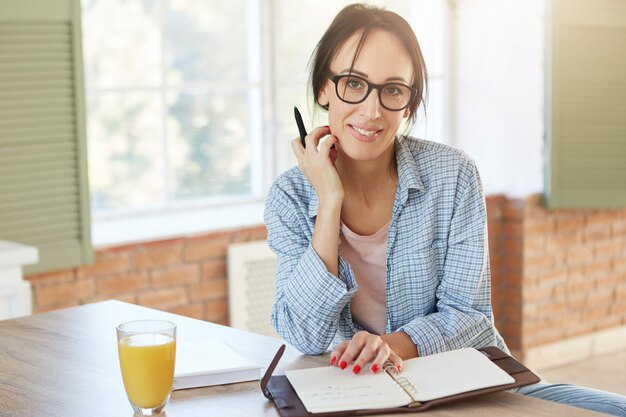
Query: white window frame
229 213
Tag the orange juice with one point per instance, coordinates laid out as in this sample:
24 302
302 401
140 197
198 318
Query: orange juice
147 362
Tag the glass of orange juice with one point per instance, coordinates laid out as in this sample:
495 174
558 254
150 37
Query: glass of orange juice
147 350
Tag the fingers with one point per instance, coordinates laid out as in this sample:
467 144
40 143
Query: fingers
358 350
338 353
378 362
298 150
326 143
396 360
361 350
317 142
318 154
313 138
343 354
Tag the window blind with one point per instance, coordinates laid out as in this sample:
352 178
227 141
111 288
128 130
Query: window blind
586 104
44 196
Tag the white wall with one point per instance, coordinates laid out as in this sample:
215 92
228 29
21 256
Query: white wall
497 91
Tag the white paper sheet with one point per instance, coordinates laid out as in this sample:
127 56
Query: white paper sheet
329 389
453 372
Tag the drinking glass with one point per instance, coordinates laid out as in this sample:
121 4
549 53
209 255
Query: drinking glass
147 351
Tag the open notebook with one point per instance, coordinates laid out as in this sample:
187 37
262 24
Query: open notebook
424 382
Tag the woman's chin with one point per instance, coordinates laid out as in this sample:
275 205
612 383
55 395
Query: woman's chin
360 151
360 154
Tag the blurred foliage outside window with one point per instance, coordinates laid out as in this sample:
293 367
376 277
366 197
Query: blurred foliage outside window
179 96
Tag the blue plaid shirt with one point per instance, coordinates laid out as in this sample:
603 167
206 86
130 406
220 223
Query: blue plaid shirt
438 283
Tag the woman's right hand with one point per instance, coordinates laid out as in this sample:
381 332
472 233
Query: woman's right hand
319 164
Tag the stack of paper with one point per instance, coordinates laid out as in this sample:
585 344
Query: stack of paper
211 362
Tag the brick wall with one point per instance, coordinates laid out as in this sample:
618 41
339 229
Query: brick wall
185 276
555 274
506 256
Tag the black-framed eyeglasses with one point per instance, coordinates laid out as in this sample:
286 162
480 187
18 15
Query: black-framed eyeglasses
354 89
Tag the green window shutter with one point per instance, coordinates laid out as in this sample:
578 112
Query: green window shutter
586 103
44 193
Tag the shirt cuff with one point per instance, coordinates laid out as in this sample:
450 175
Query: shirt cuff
314 292
425 335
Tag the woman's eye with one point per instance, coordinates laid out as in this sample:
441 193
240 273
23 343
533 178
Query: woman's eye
393 91
355 84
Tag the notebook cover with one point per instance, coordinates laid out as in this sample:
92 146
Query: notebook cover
288 403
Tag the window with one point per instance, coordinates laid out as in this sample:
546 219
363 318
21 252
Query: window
174 105
190 102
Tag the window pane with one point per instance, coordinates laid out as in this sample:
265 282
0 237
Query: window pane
308 19
125 150
209 145
122 43
289 95
205 41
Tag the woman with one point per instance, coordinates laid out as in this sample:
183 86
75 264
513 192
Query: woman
381 238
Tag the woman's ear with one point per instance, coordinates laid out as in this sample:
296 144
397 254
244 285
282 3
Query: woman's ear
322 97
407 112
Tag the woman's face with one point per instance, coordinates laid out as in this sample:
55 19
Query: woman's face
366 130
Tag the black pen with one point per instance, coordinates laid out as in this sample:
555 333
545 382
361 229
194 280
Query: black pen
300 124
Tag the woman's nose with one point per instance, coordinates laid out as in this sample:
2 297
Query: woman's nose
370 107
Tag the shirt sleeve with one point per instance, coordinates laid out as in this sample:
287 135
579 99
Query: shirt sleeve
309 299
464 315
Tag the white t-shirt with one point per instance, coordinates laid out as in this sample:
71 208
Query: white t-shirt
366 256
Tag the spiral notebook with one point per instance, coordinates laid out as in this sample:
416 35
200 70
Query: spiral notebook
424 382
427 378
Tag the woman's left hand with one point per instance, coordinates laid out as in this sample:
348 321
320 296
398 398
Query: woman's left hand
364 347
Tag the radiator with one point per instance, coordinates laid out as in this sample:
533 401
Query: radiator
251 270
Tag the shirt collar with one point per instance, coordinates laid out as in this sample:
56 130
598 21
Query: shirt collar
408 175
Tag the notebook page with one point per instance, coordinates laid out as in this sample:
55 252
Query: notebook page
331 389
453 372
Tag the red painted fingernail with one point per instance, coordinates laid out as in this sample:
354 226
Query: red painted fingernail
374 368
356 369
399 368
343 365
333 360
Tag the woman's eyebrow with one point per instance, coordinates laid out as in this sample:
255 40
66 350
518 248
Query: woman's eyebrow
397 79
362 74
353 71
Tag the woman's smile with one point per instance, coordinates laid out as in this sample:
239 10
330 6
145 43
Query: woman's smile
365 133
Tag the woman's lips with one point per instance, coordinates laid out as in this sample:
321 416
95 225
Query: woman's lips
365 134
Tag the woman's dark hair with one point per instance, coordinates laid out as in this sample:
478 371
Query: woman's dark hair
365 19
